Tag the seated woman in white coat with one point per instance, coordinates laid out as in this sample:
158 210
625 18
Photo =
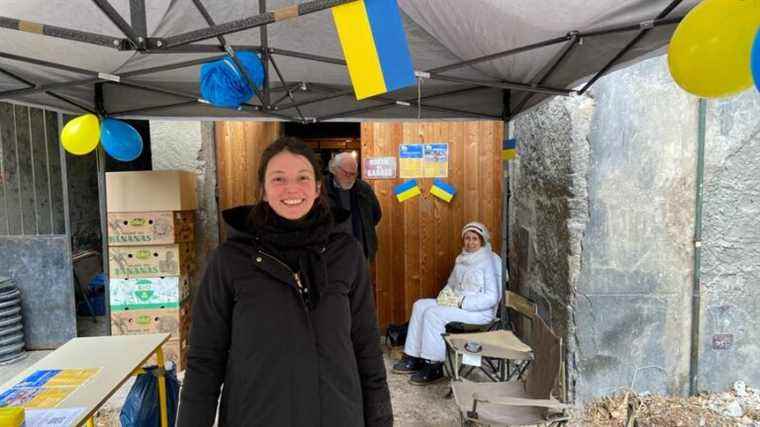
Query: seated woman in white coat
470 296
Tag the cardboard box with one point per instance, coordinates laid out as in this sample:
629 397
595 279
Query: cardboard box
150 228
174 321
149 292
151 191
130 262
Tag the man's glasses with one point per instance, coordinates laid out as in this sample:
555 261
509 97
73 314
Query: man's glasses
348 174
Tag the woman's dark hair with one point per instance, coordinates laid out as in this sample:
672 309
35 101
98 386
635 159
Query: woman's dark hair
295 146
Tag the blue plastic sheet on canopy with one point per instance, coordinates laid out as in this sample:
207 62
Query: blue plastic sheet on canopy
224 85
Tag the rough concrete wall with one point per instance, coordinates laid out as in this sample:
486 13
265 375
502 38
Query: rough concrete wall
633 312
730 338
548 206
41 268
190 146
603 206
31 198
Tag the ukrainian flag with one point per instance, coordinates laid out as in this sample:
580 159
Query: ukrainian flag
407 190
442 190
374 45
508 149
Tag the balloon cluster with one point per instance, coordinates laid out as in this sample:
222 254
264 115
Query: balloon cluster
120 140
711 53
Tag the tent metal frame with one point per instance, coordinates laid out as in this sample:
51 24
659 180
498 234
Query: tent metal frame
135 40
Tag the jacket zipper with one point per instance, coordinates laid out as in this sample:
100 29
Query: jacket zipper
302 291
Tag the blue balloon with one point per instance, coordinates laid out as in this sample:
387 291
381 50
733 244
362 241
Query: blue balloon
755 60
222 83
120 140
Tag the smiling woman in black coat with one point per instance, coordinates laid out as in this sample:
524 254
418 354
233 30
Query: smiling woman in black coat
284 319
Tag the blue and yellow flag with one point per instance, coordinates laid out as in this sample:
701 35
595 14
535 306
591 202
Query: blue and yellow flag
374 45
508 149
442 190
407 190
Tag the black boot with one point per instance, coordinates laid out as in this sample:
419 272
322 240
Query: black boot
408 365
430 374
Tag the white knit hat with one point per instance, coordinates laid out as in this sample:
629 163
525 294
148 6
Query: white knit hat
478 229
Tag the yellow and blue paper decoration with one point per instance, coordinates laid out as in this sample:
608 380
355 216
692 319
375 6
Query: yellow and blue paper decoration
508 149
442 190
374 46
407 190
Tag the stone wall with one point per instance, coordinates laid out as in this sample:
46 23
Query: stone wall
548 193
731 244
602 220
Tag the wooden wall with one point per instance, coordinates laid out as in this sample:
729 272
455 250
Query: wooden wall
238 150
420 238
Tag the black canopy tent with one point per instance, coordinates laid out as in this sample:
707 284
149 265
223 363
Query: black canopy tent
475 59
152 70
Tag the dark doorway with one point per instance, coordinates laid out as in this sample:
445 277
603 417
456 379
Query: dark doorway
329 139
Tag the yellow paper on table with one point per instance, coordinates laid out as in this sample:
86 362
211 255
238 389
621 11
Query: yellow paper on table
46 388
50 397
72 377
12 416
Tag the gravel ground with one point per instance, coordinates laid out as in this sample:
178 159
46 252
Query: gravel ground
428 406
739 406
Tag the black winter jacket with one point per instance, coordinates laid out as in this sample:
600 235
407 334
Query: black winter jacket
280 363
362 198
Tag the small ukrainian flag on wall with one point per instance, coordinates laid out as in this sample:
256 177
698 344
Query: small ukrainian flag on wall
407 190
374 45
508 149
442 190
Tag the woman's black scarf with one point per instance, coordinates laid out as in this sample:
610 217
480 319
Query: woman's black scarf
300 244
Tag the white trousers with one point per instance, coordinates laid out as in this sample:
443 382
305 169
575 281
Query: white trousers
428 322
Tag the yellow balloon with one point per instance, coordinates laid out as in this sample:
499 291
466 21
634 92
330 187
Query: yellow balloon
81 135
709 54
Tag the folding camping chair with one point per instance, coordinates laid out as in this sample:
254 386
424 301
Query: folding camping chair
503 355
518 403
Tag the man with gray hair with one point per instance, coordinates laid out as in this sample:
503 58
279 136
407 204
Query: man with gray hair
346 190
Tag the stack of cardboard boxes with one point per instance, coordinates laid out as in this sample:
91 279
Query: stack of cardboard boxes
151 228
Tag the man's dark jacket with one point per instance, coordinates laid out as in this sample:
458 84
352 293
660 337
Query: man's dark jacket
364 201
281 363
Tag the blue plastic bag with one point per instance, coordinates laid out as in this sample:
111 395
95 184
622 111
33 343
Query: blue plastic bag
222 83
141 408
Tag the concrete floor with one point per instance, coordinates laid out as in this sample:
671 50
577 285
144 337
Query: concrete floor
87 328
419 406
7 372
